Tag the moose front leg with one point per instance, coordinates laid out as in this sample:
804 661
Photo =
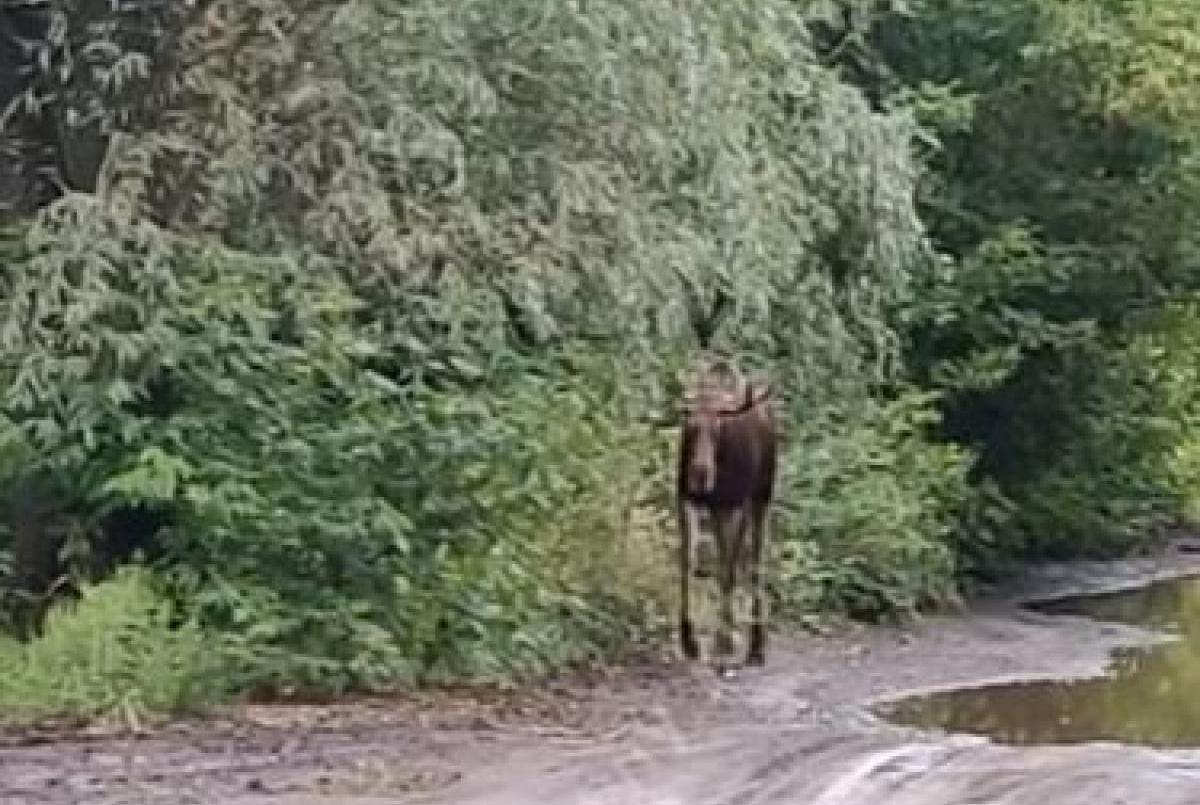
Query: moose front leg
728 530
688 530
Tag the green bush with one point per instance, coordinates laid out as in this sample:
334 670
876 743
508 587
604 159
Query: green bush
869 506
115 654
339 529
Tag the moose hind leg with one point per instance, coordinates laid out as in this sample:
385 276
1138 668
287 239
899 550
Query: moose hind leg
757 652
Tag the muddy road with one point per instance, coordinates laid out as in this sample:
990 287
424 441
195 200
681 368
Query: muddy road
801 731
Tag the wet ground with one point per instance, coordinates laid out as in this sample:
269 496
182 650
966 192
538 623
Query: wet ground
1149 695
804 730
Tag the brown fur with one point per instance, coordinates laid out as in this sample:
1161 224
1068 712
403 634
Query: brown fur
727 463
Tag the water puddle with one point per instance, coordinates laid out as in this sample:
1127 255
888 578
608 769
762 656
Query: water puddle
1149 696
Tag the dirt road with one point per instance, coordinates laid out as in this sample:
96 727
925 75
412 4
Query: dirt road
796 732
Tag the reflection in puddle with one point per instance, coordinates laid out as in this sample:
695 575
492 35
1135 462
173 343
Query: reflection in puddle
1151 696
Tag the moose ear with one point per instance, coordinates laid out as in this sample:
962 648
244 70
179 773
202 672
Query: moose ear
754 396
758 397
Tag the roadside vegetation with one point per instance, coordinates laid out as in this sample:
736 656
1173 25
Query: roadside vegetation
353 325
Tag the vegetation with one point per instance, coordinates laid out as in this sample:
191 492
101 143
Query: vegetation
356 323
114 655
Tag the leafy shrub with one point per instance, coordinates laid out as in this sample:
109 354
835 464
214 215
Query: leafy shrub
115 654
340 529
878 504
1113 485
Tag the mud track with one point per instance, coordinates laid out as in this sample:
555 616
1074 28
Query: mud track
661 734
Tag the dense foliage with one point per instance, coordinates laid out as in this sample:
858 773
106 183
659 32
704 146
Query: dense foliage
358 322
1062 177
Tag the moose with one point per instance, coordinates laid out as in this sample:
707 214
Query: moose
727 461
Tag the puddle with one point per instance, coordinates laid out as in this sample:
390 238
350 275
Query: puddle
1172 605
1149 696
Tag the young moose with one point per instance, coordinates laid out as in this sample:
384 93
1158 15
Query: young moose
727 468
